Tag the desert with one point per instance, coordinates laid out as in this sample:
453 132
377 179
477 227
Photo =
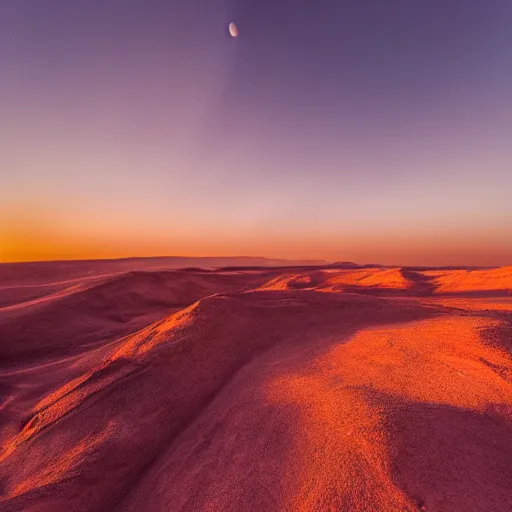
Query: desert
136 385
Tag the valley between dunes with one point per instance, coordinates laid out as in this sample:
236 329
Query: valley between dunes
262 389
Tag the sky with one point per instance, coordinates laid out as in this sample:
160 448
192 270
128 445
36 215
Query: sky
346 130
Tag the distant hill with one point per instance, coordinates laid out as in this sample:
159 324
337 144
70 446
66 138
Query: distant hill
343 264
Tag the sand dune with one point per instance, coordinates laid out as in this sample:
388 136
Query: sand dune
455 281
353 389
337 280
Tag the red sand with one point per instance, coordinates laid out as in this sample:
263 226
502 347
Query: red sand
270 390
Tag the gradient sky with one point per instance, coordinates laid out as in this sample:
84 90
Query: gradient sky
363 130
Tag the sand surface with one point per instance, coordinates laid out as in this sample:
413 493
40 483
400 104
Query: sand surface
306 389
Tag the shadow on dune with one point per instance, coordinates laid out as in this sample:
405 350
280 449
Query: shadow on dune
501 335
451 459
421 284
476 294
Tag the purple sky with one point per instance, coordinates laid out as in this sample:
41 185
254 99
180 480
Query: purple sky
345 130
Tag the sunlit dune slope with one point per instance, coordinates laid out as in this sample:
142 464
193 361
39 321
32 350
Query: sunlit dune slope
337 280
496 279
442 282
370 278
265 390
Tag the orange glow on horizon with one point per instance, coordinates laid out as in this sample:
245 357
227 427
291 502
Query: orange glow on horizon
47 236
23 245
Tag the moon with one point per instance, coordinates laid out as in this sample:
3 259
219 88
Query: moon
233 30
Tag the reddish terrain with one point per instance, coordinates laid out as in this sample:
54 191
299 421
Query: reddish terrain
287 389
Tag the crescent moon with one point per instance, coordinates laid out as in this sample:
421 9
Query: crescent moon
233 30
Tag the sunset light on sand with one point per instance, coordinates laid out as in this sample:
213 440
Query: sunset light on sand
255 256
